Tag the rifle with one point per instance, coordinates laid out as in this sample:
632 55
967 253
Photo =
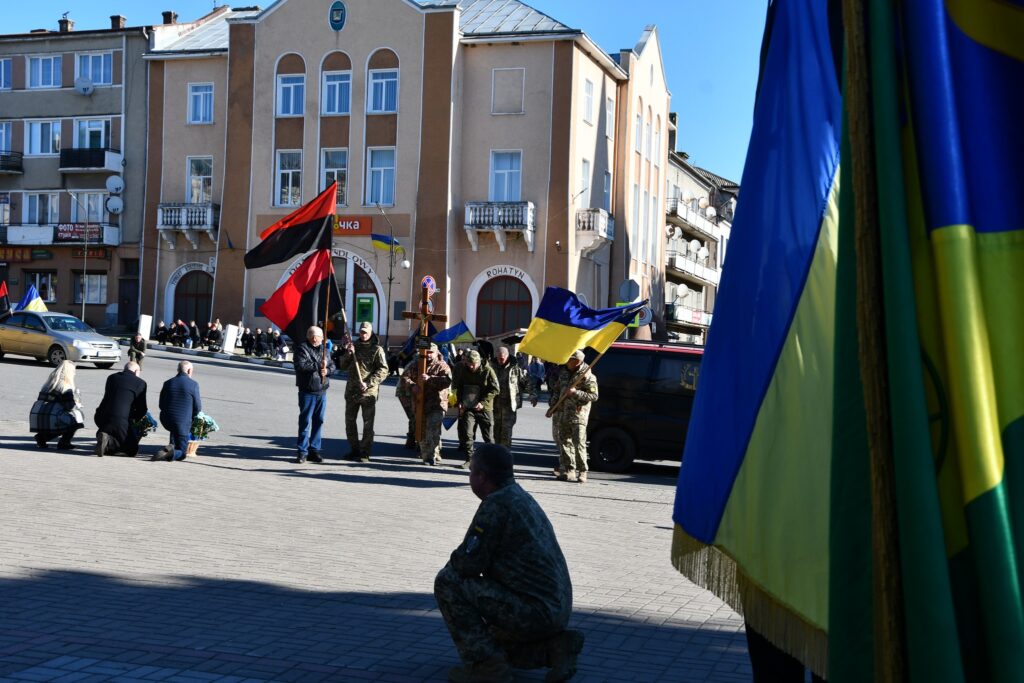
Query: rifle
565 394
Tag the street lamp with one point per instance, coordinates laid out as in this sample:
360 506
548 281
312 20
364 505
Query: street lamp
85 252
393 251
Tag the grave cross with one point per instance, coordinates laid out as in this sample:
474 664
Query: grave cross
425 316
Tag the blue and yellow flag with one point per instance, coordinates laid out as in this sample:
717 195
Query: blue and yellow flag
385 242
457 334
32 301
563 324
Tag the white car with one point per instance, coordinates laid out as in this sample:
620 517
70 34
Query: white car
55 337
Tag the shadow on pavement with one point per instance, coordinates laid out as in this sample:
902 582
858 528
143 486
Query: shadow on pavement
60 623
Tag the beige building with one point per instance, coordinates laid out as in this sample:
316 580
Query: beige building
504 152
72 151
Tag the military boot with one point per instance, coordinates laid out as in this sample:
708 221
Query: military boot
563 650
493 670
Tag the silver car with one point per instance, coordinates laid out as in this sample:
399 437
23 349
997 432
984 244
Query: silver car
55 337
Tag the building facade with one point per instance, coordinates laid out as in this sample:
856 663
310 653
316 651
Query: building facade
503 151
72 153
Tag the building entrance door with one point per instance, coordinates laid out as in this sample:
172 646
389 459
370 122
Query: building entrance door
193 298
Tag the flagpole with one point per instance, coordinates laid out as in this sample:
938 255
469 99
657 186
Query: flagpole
576 381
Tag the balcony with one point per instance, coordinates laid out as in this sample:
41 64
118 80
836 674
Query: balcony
680 314
89 160
499 219
94 234
11 163
683 214
190 220
594 229
678 261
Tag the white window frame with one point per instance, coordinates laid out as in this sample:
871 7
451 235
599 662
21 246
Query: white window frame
291 172
639 133
6 73
371 86
586 169
189 176
606 200
90 55
53 208
290 87
95 205
644 235
80 284
609 118
324 89
368 194
653 237
588 101
104 128
6 136
54 124
193 94
324 170
56 75
635 242
47 293
492 176
657 147
647 140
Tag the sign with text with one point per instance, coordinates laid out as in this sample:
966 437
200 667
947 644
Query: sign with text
15 254
77 232
92 253
352 226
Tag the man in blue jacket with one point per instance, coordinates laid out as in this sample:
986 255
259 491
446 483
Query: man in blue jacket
179 404
313 369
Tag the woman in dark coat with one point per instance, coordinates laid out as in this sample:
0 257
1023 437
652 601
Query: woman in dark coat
58 410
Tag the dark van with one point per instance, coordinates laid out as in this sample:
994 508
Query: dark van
646 394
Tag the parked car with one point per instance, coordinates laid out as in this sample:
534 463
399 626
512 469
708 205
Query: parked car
646 394
55 337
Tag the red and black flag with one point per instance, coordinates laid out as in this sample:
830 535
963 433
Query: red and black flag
304 229
300 302
5 301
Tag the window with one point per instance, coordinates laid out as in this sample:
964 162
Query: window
337 90
200 102
506 176
41 208
5 208
42 137
634 242
653 224
647 138
88 207
588 101
92 287
44 72
657 146
6 131
639 133
289 178
606 202
381 176
609 118
46 285
92 133
5 74
585 182
200 180
383 92
97 68
291 95
644 236
335 167
503 304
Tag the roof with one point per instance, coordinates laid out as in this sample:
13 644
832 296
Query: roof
714 178
209 35
500 17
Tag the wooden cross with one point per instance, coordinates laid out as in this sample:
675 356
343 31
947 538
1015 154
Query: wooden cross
424 316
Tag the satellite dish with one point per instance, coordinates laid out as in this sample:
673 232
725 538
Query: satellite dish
115 205
84 86
115 185
703 202
694 246
688 197
710 212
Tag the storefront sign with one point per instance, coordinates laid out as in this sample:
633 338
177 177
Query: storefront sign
76 232
92 253
15 254
351 226
41 254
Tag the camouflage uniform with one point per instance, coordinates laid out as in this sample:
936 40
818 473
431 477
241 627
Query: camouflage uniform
513 381
435 403
570 420
472 388
506 590
373 369
403 392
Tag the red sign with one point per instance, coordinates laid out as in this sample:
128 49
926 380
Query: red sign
93 253
351 226
16 254
76 232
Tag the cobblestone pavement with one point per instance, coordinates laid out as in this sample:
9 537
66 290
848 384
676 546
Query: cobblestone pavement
240 565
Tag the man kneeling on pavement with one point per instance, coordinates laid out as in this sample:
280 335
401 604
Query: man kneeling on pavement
124 402
505 594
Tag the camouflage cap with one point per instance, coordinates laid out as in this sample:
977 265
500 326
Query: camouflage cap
578 355
365 326
474 356
433 347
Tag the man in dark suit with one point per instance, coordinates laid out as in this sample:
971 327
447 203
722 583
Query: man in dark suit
179 404
124 402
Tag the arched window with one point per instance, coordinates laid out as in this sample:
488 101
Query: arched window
382 83
193 297
290 91
504 304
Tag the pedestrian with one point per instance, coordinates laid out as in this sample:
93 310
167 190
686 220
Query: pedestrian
57 411
260 342
578 385
137 349
505 593
161 333
403 391
513 382
195 338
179 405
124 402
248 341
475 386
313 368
436 382
537 372
367 367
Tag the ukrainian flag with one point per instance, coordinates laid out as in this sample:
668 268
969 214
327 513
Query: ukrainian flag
385 242
32 301
563 324
459 334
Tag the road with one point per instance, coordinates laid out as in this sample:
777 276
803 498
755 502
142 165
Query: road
240 565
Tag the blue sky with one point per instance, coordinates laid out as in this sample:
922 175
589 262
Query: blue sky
710 47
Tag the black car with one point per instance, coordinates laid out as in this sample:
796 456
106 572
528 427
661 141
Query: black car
646 394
